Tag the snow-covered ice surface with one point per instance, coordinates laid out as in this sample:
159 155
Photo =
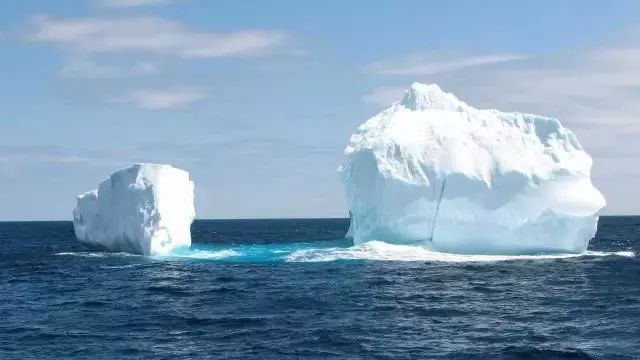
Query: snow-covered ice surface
436 172
144 209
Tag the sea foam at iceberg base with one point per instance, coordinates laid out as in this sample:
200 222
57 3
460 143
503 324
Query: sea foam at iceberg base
145 209
435 172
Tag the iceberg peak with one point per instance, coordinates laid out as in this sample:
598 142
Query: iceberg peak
421 97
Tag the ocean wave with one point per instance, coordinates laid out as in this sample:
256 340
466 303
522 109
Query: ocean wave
378 250
206 254
98 254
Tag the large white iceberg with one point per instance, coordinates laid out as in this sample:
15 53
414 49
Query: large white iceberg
436 172
144 209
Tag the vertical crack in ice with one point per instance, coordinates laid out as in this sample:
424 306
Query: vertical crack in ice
435 213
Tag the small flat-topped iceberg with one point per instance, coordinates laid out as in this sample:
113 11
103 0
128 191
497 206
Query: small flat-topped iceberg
144 209
436 172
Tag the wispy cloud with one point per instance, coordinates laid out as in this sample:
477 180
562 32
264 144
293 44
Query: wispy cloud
384 95
152 35
132 3
88 69
428 64
164 99
40 154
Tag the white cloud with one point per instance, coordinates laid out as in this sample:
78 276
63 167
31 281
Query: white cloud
164 99
425 64
132 3
152 35
87 69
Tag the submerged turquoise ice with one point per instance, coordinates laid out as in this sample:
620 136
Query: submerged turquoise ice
342 250
252 253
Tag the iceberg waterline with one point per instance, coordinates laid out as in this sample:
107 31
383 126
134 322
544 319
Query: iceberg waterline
336 250
435 172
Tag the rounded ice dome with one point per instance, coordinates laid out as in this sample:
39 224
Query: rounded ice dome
436 172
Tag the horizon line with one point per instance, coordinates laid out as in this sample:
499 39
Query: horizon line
267 218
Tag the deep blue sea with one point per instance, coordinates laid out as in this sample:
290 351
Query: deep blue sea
295 289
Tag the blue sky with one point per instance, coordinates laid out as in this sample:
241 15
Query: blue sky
258 98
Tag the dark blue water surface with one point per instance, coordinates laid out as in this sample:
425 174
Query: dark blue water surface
244 291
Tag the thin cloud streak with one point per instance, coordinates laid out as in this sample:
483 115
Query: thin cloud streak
132 3
88 69
420 65
152 35
164 99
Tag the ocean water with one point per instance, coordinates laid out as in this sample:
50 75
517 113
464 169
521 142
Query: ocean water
293 289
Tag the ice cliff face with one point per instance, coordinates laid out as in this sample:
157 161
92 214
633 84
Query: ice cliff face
434 171
145 209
